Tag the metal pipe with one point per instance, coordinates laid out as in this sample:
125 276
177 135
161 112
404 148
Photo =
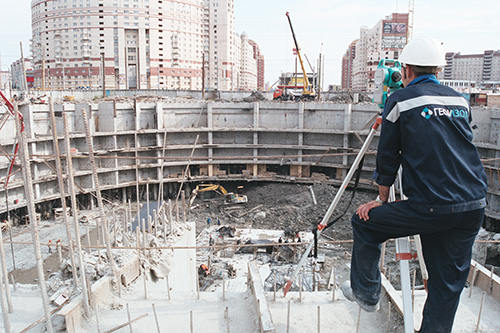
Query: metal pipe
5 274
62 192
99 197
28 189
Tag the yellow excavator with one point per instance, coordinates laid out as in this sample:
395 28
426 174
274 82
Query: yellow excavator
229 197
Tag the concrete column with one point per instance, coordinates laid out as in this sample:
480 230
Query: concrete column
159 115
141 52
256 125
106 114
347 129
29 122
210 138
117 163
36 186
301 135
137 110
158 154
122 76
124 195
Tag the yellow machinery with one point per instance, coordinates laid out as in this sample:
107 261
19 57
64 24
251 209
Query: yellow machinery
308 93
229 197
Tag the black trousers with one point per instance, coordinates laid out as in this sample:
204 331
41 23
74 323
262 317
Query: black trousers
447 241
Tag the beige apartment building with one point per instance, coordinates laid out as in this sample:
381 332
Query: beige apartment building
482 70
385 40
138 44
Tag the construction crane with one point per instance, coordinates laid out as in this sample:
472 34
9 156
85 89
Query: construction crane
411 15
8 105
229 197
308 92
271 87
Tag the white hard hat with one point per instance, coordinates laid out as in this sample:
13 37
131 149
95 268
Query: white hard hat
423 51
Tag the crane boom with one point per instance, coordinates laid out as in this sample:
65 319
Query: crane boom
307 85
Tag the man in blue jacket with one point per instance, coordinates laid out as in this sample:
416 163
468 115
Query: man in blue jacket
426 131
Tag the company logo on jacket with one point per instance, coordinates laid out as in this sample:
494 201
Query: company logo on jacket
426 113
455 113
432 106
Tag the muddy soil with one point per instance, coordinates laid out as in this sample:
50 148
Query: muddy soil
281 206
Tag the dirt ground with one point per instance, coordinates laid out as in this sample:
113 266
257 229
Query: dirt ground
280 206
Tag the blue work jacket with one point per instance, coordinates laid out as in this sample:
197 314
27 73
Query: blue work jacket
426 129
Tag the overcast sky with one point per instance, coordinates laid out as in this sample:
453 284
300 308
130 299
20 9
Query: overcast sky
462 25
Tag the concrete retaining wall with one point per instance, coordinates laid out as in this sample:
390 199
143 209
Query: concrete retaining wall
235 141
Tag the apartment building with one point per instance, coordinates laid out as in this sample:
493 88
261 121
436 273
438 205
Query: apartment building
259 57
385 40
5 80
134 44
482 69
347 66
19 69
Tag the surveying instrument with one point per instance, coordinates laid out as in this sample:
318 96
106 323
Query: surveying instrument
387 79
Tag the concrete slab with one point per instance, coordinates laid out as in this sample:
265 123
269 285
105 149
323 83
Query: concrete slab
467 313
182 277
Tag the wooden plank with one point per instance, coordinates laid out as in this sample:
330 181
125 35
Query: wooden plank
130 272
484 280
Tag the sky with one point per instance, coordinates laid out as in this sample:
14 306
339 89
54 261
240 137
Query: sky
326 26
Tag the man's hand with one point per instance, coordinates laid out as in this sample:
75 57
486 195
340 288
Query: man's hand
363 209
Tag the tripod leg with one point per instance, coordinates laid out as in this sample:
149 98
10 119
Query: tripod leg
335 201
403 246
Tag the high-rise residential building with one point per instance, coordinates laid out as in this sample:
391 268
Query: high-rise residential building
18 70
384 41
136 44
259 57
347 62
482 69
248 65
5 80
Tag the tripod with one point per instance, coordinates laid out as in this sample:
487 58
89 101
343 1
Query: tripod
403 253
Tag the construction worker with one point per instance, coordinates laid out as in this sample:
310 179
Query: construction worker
203 270
426 131
49 245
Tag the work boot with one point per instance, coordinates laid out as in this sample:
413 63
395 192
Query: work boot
349 294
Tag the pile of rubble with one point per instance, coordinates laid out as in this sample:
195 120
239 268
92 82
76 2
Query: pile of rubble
346 98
